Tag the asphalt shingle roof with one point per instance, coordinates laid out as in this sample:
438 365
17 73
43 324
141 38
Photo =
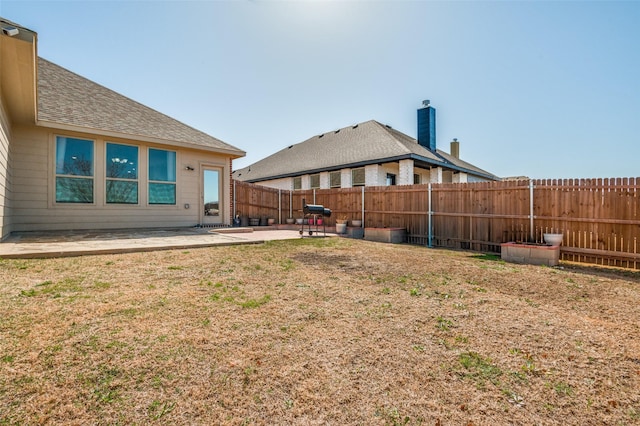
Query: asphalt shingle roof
69 99
363 143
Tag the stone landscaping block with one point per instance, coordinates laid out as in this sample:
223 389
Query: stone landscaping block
354 232
386 235
534 254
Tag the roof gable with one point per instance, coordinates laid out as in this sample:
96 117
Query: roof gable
68 100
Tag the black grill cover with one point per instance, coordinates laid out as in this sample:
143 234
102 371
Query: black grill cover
315 209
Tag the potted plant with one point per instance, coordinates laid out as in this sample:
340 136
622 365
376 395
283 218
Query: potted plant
270 221
290 220
553 239
341 225
356 222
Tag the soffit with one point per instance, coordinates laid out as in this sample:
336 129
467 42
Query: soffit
17 78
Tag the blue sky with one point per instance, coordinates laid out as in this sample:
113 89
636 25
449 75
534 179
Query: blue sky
545 89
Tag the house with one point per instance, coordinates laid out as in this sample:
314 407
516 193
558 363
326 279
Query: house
366 154
75 155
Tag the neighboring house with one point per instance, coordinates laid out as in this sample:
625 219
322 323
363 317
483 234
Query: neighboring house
76 155
367 154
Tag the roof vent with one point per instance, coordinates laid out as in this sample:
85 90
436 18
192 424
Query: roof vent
426 103
321 135
337 131
290 146
354 127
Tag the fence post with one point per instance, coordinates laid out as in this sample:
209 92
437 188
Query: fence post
363 207
279 206
429 220
314 195
531 234
471 219
233 214
290 203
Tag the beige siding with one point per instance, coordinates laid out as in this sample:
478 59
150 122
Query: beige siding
391 168
425 174
5 176
34 185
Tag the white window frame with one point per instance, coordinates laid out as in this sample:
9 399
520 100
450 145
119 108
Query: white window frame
354 173
297 182
333 176
313 177
115 179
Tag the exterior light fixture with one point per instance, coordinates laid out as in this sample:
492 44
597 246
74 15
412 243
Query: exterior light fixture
10 31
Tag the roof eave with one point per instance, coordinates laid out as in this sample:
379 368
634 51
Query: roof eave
376 161
327 169
456 168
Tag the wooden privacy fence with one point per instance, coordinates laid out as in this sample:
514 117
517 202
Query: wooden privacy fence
598 218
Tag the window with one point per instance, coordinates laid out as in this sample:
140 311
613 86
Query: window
297 182
314 181
74 170
122 174
211 193
334 179
391 179
162 176
357 177
416 179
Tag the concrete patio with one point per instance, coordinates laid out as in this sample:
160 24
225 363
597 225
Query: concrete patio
80 243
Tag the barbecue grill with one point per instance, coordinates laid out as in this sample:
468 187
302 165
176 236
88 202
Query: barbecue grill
313 212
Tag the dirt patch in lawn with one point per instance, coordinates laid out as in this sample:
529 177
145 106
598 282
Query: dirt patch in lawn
316 331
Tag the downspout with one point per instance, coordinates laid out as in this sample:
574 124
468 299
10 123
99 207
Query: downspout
531 233
279 206
234 200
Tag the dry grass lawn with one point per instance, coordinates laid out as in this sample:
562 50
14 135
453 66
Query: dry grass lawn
313 332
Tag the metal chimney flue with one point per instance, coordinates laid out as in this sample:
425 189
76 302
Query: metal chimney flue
455 148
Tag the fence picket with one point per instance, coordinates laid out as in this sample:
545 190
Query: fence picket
598 217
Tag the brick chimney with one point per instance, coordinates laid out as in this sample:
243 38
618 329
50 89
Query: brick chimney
427 126
455 148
